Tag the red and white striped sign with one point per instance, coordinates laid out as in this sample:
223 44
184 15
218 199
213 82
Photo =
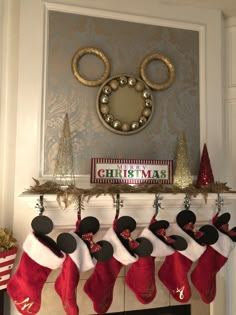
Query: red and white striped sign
131 171
6 264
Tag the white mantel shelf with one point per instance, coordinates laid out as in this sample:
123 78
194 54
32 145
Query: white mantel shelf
137 205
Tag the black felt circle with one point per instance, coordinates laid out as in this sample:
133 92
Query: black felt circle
125 222
157 225
105 253
233 237
222 219
89 224
145 247
210 235
42 224
184 217
66 242
179 244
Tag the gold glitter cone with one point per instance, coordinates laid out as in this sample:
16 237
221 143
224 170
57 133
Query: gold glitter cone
182 175
64 166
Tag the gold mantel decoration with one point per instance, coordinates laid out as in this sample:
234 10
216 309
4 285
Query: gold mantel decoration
168 63
71 194
130 109
75 66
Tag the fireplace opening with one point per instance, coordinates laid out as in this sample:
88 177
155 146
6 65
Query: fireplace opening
169 310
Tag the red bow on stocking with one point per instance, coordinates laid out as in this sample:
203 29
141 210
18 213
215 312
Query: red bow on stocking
162 232
225 228
126 235
190 227
92 245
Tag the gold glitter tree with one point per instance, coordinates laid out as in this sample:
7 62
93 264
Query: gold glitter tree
182 175
64 166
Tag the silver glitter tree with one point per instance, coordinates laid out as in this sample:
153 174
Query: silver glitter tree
64 166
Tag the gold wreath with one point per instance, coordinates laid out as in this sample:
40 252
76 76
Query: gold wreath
171 70
98 53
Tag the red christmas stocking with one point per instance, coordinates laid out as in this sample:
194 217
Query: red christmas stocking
140 277
37 261
174 270
66 283
213 259
99 287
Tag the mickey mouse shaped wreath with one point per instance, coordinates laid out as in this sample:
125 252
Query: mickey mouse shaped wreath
132 110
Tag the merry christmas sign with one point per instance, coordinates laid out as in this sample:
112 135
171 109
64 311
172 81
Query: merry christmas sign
131 171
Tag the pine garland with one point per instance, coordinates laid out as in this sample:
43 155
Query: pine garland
73 194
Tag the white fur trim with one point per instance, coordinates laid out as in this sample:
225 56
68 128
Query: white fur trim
41 254
120 252
224 245
160 249
194 250
81 256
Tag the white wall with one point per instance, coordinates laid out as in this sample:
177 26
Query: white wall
21 91
230 108
9 47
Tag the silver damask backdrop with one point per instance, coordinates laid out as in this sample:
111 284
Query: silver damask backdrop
125 44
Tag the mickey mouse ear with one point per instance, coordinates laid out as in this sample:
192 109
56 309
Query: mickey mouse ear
145 247
42 224
179 244
125 222
105 253
232 234
184 217
157 225
222 219
66 242
210 235
89 224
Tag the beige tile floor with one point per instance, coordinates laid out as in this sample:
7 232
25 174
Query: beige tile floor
123 297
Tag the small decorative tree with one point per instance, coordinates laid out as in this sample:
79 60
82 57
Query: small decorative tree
64 166
205 174
182 175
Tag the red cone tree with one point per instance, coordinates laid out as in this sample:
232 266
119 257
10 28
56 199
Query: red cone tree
205 174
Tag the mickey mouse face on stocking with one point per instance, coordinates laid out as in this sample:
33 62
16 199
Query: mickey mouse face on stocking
43 225
158 228
125 102
141 246
205 235
101 250
222 224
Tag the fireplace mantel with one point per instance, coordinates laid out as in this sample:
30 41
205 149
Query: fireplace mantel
140 206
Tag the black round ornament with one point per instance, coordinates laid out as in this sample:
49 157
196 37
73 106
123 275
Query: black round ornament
222 219
157 225
184 217
89 224
179 243
105 253
145 247
125 222
66 242
42 224
210 235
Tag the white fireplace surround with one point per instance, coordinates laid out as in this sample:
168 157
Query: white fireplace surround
139 206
